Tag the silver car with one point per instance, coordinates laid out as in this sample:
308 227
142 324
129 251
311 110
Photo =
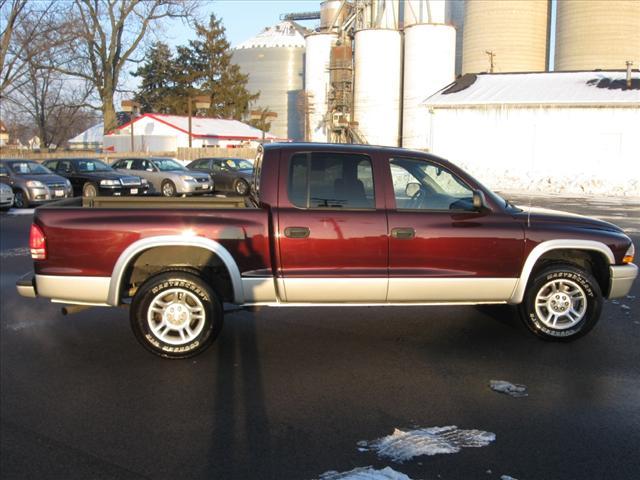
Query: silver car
32 183
167 175
6 197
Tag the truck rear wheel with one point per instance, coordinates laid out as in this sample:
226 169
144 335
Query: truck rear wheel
561 303
176 315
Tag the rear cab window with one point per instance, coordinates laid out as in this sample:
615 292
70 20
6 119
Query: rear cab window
319 180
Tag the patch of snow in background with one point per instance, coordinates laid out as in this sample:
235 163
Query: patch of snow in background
365 473
511 389
507 477
405 445
15 252
21 211
544 183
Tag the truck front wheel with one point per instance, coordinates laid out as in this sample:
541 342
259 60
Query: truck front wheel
176 315
561 303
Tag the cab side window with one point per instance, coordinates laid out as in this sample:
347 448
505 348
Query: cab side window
64 167
422 185
331 180
51 165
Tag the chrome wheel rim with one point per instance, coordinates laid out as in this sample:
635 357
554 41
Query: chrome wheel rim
168 190
561 304
241 188
176 316
18 200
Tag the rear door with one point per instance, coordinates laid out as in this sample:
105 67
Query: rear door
332 229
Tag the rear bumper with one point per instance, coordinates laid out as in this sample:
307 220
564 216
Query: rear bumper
26 285
622 277
65 289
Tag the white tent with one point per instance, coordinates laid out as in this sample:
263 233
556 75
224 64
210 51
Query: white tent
89 139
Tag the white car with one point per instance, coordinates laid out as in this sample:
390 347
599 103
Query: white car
6 197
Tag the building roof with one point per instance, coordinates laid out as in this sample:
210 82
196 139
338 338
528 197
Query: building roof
597 88
91 135
283 34
203 127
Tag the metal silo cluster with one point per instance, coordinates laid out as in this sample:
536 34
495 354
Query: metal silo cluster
274 62
371 64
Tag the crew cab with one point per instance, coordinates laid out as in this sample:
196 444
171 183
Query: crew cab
326 225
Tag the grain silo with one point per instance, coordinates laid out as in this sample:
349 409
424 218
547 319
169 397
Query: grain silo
597 34
317 77
274 62
429 65
505 36
378 73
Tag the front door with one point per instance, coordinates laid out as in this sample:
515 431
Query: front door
441 249
332 229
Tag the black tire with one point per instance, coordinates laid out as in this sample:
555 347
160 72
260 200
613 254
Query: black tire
241 187
173 344
20 199
168 189
89 190
569 303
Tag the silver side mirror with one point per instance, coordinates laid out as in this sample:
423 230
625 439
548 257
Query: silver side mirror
479 202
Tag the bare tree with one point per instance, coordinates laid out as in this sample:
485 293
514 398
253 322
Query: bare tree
108 32
42 95
21 22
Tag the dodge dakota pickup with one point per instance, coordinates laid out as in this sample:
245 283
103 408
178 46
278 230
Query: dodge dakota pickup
326 225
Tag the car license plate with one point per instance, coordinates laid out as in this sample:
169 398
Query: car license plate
59 193
134 191
204 186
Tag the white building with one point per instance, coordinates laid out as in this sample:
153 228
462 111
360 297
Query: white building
560 132
90 139
154 132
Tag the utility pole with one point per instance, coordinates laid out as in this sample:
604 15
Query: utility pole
491 57
202 103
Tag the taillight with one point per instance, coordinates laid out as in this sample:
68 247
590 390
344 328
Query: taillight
37 243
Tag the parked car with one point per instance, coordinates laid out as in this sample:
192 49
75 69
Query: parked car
6 194
320 228
167 176
32 183
90 177
229 174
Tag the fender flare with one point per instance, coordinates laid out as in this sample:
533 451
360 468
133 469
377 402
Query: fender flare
140 246
539 250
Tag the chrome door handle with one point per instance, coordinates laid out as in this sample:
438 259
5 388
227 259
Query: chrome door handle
403 233
296 232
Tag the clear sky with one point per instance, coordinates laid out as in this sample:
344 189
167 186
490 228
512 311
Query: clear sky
243 18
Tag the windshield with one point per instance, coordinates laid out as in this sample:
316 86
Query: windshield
92 166
239 164
167 164
28 168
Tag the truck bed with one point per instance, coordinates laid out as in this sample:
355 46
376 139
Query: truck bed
163 202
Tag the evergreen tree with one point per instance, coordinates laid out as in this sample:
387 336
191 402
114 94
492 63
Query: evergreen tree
215 75
203 67
157 91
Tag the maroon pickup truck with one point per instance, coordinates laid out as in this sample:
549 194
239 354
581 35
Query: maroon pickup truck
326 225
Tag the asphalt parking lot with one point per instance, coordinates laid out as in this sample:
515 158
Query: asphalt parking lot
289 393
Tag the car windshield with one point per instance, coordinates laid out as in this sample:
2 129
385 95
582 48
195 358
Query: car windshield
92 166
167 164
238 164
28 168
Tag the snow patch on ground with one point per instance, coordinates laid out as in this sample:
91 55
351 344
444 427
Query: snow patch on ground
511 389
507 477
365 473
405 445
15 252
21 211
544 183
